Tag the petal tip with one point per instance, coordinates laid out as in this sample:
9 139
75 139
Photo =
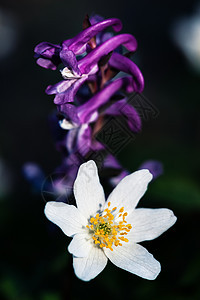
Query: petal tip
50 206
48 210
146 173
172 216
157 272
89 165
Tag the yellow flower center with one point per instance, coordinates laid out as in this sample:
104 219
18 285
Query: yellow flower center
105 231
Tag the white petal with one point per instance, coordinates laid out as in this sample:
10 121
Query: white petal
67 125
130 189
81 245
68 74
135 259
88 191
148 224
67 217
89 267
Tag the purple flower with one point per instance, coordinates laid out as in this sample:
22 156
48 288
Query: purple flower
100 105
106 163
124 64
78 119
110 162
89 95
49 55
81 70
59 184
34 174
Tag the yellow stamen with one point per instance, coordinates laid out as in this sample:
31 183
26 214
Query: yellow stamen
121 210
106 232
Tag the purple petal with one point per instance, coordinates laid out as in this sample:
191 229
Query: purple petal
84 139
71 139
116 179
74 159
155 167
96 19
70 112
32 170
46 63
86 110
69 59
59 87
48 50
97 146
112 163
65 90
126 65
63 179
78 43
122 108
80 140
87 63
48 55
102 36
34 174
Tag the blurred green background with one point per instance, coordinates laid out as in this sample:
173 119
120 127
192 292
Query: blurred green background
34 259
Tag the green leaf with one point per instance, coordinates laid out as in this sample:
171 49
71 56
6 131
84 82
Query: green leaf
50 296
179 192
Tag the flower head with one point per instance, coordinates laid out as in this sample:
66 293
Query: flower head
49 56
111 229
82 70
95 111
89 93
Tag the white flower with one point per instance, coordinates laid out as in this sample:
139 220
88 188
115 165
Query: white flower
186 33
111 229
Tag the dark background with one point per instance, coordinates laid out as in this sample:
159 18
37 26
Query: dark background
34 259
